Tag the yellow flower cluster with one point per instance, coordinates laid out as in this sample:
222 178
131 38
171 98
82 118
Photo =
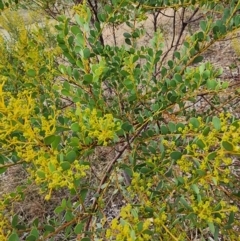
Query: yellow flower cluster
141 185
207 151
16 114
210 212
202 160
132 225
54 175
129 227
27 59
45 168
82 10
185 164
48 125
95 126
8 20
4 226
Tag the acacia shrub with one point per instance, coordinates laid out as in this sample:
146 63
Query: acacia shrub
134 101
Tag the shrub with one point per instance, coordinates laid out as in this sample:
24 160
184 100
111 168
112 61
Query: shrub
60 109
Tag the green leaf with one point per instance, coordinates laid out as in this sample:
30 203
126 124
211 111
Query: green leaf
195 122
75 127
173 83
140 226
216 234
51 167
74 141
127 35
200 172
236 124
200 144
66 29
102 17
69 57
31 73
127 126
78 228
128 83
128 41
170 64
13 237
195 188
88 78
211 228
65 165
80 39
155 107
145 170
206 131
181 126
49 139
85 239
42 70
41 174
69 216
108 9
177 55
216 123
86 53
197 59
178 77
76 74
176 221
203 25
49 228
184 203
58 210
56 142
176 155
35 233
31 238
71 156
2 169
228 146
225 85
164 130
83 194
231 218
71 41
15 220
211 155
212 84
76 30
66 85
64 203
215 31
172 127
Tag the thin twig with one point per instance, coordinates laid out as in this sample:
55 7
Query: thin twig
106 175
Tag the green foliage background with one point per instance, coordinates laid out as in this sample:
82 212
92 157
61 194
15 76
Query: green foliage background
66 96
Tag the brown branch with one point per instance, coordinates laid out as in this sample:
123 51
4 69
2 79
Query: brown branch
106 175
95 9
211 104
11 164
58 230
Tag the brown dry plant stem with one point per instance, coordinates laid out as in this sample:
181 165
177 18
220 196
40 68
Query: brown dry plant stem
108 174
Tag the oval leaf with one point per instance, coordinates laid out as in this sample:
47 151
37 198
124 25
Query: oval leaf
227 146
